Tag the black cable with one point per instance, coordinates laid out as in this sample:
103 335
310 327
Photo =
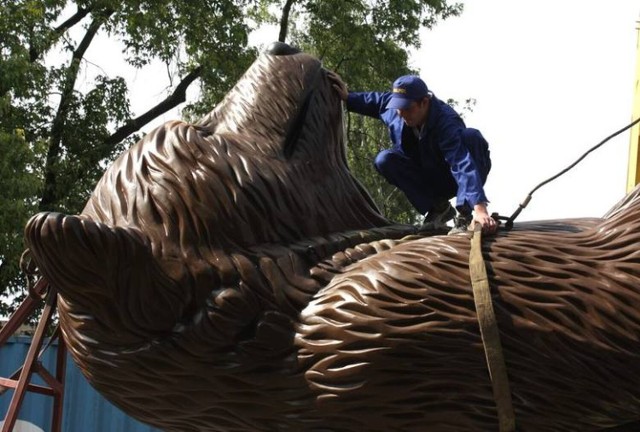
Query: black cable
524 203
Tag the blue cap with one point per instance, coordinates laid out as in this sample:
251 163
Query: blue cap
407 89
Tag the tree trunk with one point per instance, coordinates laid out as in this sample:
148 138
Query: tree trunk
284 20
50 193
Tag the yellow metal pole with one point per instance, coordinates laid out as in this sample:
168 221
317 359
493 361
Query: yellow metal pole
633 173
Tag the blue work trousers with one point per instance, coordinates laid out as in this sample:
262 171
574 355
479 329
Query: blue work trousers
427 183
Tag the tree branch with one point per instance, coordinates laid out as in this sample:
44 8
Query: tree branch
178 96
284 20
73 20
50 194
58 31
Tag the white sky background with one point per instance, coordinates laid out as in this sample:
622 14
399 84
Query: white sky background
551 78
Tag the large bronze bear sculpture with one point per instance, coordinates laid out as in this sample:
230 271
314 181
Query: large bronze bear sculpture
232 275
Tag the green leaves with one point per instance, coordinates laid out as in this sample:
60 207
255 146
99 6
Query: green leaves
186 31
20 166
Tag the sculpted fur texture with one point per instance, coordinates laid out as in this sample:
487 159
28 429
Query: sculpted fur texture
231 275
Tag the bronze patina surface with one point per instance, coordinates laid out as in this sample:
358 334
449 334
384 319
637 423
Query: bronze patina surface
231 275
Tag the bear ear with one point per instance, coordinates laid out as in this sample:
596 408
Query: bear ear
105 273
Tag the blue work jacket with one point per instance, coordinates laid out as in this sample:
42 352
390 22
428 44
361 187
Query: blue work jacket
441 141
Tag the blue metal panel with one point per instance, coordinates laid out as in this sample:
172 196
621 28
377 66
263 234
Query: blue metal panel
84 408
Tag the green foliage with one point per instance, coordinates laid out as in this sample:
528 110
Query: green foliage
19 171
206 31
86 129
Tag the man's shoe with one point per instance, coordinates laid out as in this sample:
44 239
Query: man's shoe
461 224
438 218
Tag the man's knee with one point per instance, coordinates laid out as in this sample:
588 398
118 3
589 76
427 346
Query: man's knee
386 162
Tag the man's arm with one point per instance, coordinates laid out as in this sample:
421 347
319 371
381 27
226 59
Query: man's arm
465 172
366 103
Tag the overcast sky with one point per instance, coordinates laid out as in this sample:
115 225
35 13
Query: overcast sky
551 79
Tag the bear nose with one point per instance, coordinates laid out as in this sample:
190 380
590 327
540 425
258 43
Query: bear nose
281 49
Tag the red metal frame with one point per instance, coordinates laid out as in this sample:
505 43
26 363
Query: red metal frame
20 380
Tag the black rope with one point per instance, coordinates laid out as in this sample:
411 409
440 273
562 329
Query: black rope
524 203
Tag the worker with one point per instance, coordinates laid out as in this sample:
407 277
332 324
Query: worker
434 156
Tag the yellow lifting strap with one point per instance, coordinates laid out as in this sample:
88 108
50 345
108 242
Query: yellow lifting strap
489 333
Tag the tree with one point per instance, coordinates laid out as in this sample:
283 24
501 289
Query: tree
56 139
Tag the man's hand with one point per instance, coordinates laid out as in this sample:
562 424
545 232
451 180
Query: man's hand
339 85
482 216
